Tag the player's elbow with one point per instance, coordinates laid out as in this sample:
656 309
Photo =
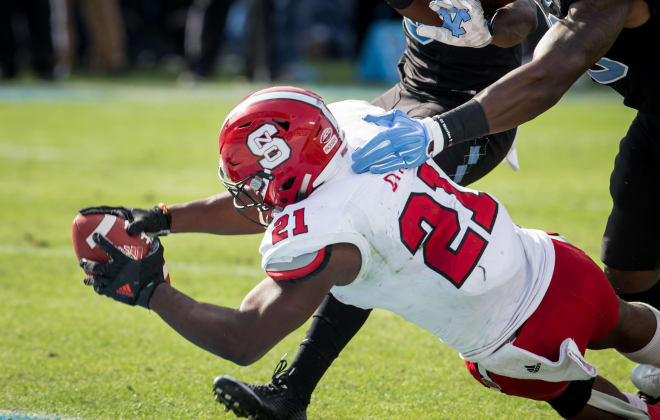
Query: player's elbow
247 344
246 358
242 351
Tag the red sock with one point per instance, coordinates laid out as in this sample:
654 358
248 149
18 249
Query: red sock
654 411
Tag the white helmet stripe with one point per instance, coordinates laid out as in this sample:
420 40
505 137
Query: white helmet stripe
333 167
304 185
283 94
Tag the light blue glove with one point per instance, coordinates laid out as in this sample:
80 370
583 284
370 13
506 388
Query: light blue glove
405 143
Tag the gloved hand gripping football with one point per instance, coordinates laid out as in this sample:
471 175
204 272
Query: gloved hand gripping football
154 221
125 279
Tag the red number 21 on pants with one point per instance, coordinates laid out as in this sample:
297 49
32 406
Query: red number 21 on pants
455 265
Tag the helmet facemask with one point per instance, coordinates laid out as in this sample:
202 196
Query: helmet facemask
248 193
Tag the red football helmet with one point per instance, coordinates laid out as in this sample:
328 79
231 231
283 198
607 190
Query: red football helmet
282 143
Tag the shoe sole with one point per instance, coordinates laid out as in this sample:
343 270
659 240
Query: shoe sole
238 398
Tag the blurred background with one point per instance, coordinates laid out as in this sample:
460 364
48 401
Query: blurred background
190 41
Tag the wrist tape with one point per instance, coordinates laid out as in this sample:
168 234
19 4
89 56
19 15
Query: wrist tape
465 122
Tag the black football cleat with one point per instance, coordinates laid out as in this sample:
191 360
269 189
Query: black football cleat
273 401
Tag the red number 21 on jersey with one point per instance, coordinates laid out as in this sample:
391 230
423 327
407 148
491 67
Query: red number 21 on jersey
280 230
455 265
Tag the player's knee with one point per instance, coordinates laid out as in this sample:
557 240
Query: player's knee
632 282
631 285
617 279
574 398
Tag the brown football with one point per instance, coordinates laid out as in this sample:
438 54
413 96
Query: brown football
113 228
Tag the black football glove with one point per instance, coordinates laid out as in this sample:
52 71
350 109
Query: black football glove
153 221
123 278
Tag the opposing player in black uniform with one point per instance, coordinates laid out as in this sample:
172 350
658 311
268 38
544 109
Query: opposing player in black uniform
435 78
605 38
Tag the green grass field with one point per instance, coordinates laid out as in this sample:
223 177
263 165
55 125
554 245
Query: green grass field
66 352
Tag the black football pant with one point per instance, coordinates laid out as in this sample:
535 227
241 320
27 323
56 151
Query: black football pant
632 235
631 241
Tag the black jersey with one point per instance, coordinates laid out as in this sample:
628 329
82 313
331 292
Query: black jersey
441 72
632 64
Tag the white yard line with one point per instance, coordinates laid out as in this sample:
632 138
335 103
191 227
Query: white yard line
18 415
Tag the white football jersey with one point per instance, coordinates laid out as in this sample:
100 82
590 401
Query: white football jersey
444 257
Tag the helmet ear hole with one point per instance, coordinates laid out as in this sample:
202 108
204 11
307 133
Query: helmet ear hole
284 124
288 184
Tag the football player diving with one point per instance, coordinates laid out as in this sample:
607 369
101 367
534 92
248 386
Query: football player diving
435 77
519 305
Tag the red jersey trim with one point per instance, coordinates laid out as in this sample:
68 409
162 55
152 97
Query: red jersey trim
302 272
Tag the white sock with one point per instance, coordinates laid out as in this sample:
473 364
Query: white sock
650 353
